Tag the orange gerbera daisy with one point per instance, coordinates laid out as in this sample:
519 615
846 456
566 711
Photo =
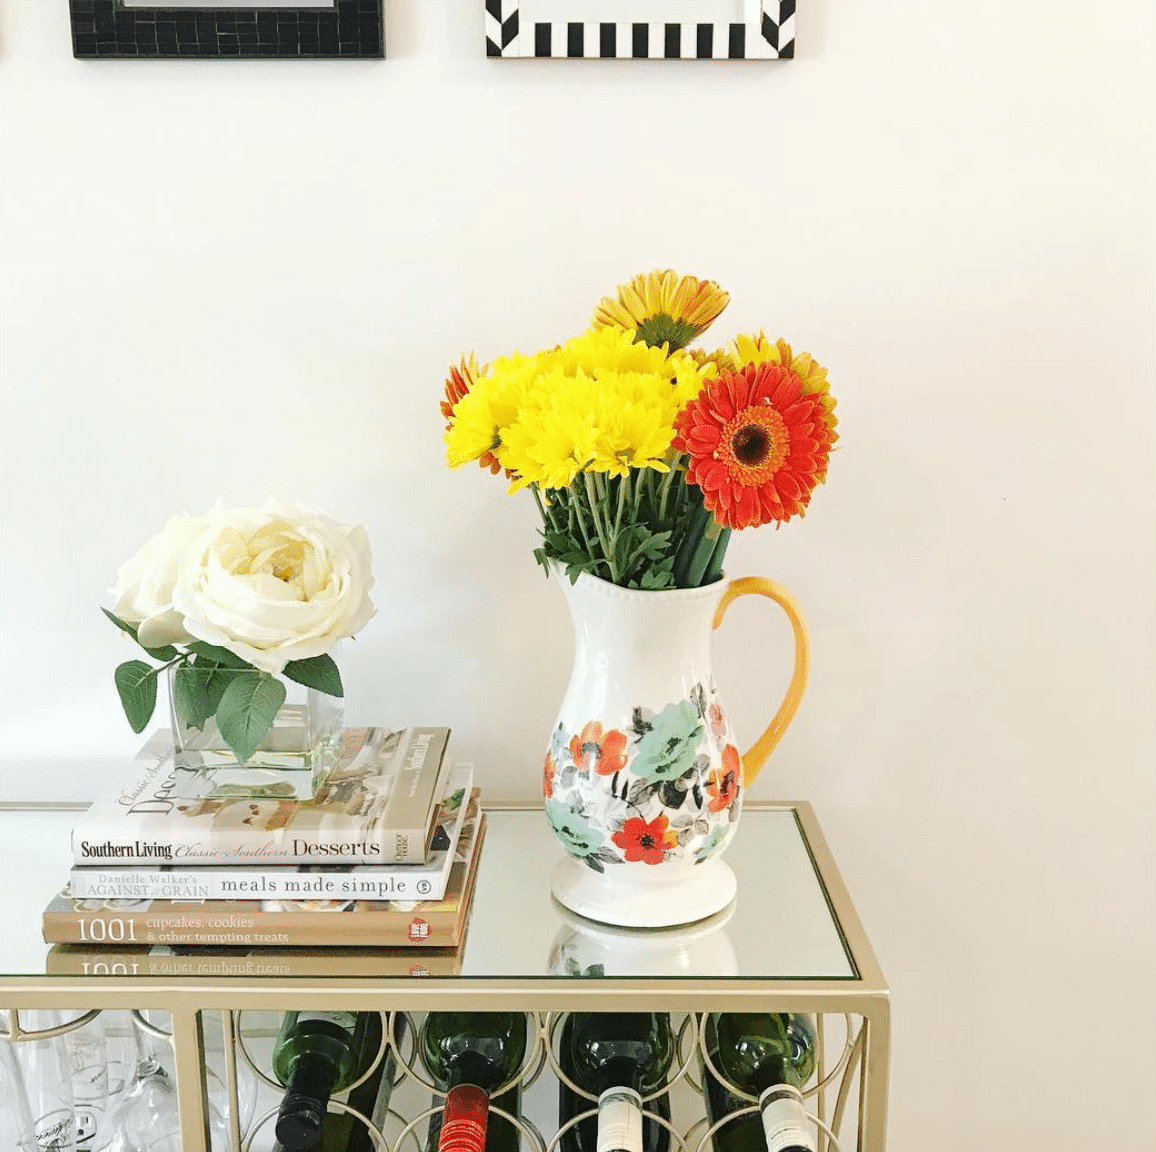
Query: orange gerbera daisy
723 785
644 841
605 753
757 445
758 349
463 376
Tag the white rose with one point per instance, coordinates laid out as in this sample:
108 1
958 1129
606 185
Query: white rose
144 584
275 584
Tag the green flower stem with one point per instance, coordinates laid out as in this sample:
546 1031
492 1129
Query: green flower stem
697 543
592 496
667 481
715 567
623 495
576 512
547 519
701 557
592 507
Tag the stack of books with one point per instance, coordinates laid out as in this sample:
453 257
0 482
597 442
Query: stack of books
386 854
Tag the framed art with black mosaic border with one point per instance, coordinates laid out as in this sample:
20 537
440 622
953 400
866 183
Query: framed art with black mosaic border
255 30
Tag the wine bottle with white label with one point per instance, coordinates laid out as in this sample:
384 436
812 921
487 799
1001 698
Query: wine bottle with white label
471 1055
317 1054
770 1056
618 1058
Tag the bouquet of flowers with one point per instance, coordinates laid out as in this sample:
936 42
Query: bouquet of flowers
643 454
233 599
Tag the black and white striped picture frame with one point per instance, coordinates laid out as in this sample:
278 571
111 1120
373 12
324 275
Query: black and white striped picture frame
759 30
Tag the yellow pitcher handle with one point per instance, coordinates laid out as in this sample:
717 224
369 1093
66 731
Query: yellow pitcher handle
756 756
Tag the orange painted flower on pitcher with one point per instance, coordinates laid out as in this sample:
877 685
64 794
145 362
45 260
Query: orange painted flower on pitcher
723 785
548 776
644 841
605 753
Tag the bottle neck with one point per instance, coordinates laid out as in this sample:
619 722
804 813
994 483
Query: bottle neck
306 1096
619 1121
464 1119
785 1120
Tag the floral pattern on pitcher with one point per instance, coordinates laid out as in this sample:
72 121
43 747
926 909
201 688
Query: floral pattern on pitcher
661 785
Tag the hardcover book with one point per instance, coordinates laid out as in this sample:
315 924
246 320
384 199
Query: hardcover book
376 807
364 881
194 960
276 923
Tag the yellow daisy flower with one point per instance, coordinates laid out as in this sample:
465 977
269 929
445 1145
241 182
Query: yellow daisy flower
600 402
663 308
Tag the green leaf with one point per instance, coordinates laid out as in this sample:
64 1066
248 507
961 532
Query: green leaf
168 652
218 654
217 678
318 672
247 710
193 697
136 682
656 579
123 625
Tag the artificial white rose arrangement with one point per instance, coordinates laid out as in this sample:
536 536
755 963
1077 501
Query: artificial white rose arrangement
231 600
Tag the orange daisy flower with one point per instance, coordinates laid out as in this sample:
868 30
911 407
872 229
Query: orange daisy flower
757 444
463 376
646 842
723 785
606 754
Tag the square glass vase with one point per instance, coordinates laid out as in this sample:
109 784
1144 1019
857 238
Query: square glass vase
292 761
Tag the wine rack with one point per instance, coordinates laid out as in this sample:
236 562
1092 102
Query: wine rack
793 944
244 1095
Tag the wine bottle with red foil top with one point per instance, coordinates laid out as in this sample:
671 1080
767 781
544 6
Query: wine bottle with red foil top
619 1059
470 1055
317 1054
770 1056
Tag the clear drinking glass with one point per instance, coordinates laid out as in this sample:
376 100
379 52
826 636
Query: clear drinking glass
42 1088
14 1119
147 1118
88 1065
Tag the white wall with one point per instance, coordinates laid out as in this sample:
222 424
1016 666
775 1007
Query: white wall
231 279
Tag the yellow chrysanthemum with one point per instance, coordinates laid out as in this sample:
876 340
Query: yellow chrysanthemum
600 403
477 418
664 308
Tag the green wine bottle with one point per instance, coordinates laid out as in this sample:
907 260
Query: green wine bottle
768 1055
340 1132
618 1058
374 1103
317 1054
470 1055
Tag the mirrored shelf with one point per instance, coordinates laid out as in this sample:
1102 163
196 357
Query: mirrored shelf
784 925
